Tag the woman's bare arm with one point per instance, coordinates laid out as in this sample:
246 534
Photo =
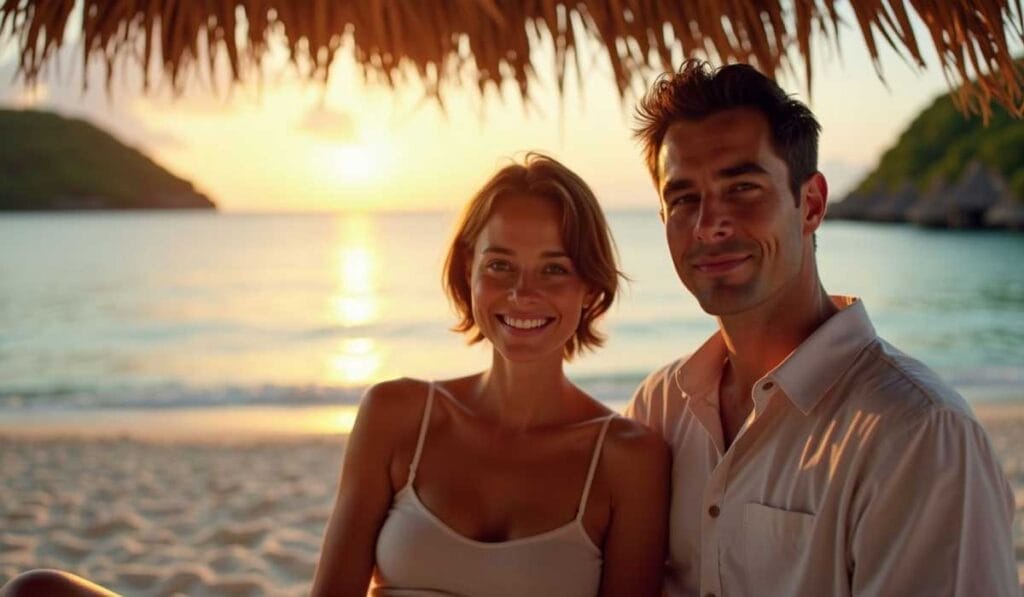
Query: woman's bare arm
638 469
364 493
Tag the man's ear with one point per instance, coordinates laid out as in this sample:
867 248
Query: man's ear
813 201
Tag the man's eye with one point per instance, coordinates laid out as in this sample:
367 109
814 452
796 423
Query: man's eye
689 199
743 187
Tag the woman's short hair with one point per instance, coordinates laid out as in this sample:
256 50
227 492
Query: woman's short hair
585 235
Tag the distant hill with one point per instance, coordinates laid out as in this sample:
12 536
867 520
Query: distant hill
946 170
50 162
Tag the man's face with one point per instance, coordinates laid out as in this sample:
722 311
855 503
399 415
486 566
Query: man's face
735 232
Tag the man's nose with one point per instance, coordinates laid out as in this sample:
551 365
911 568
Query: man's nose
714 222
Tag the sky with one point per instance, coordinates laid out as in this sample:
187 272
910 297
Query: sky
289 145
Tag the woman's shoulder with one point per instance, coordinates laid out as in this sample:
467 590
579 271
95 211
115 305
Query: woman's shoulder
394 400
397 392
633 451
633 438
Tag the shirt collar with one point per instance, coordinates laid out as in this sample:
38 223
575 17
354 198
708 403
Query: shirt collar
805 376
698 376
811 370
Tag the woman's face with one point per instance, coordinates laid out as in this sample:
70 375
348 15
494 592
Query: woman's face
527 297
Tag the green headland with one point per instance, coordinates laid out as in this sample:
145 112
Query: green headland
49 162
946 170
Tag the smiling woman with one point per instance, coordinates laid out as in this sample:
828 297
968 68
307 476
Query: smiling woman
531 269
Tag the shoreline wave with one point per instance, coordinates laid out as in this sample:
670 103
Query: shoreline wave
1002 383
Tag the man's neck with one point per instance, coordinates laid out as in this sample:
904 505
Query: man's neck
761 338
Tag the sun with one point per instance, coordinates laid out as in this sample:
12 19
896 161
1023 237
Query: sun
352 164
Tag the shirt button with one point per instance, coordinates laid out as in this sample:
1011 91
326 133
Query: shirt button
713 511
768 385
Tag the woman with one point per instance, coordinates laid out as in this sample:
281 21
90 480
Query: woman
512 481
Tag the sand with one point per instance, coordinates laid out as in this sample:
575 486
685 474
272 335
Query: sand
163 518
236 516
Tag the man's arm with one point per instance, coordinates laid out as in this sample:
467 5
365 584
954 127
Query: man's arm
638 406
934 514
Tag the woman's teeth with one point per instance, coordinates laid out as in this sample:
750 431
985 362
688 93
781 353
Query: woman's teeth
522 324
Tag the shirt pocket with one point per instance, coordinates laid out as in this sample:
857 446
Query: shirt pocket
774 547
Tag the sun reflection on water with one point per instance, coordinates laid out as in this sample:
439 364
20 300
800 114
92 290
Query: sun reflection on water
355 302
356 362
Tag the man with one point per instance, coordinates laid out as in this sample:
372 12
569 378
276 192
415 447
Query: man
811 457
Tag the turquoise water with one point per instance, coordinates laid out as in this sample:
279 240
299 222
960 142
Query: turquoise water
193 309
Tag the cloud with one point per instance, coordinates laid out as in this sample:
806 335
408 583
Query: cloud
332 125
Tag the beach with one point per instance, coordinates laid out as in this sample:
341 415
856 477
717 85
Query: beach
164 510
167 517
173 415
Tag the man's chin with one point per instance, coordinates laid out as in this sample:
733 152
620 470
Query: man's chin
723 302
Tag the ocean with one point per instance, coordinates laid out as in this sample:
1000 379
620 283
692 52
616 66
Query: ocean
160 310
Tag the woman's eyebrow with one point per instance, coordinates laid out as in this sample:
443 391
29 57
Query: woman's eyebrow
503 251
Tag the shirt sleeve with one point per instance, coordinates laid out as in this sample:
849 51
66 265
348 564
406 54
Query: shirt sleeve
638 408
934 514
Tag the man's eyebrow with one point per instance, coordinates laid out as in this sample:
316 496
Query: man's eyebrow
685 184
677 184
741 169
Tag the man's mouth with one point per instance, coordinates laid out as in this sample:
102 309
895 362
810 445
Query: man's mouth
524 323
720 264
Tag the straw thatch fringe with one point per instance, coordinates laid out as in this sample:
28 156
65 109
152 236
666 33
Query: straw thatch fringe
495 37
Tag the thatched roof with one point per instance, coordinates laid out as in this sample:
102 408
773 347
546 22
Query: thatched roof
435 39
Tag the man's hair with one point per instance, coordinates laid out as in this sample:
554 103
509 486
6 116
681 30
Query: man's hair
697 91
585 235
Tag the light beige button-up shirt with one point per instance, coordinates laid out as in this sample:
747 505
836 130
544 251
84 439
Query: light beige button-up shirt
858 472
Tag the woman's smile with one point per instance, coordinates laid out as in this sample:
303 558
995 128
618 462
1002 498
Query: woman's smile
524 324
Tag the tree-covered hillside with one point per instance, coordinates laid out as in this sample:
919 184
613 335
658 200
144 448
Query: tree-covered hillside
946 170
51 162
941 142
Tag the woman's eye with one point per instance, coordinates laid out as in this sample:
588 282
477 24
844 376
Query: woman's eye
556 268
498 266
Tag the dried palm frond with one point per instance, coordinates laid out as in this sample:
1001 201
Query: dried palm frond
390 38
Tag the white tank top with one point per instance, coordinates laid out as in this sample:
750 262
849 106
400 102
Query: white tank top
418 554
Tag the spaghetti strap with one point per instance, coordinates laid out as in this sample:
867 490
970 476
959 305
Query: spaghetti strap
593 466
423 436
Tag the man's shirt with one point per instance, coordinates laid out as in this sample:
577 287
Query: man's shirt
858 472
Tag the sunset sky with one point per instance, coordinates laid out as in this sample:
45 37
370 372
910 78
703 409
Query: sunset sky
292 145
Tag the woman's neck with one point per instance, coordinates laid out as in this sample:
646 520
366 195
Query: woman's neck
520 396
